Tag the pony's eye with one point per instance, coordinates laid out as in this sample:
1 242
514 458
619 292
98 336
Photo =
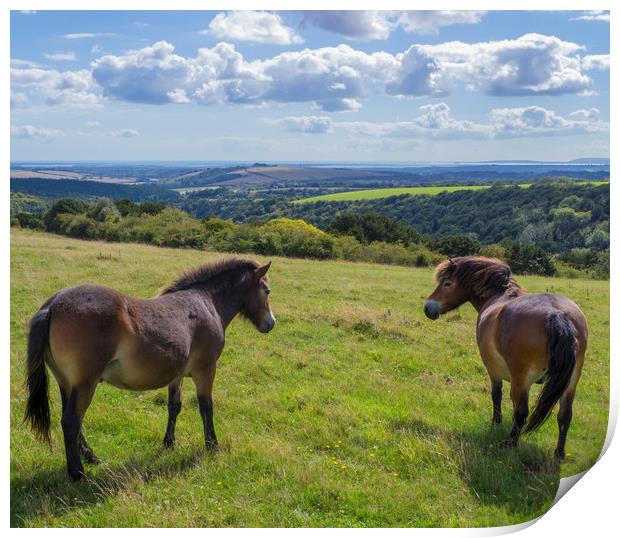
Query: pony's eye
267 291
447 284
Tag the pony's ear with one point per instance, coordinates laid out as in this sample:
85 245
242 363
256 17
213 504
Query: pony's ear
451 261
262 271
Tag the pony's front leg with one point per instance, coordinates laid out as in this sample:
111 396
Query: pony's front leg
520 396
174 408
203 378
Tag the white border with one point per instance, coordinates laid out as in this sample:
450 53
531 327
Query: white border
588 509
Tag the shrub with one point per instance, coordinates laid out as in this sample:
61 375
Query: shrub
28 220
528 259
62 206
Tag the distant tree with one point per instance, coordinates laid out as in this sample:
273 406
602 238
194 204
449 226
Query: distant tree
456 245
369 227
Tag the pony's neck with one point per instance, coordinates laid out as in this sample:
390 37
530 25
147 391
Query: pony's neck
481 303
227 302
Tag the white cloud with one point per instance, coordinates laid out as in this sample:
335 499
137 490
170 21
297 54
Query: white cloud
123 133
93 123
340 105
35 133
88 35
533 64
594 16
437 122
429 22
255 26
586 114
356 25
60 56
18 100
599 62
305 124
331 78
378 25
68 88
539 121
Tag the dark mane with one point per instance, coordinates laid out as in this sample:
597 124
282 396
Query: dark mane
211 274
485 277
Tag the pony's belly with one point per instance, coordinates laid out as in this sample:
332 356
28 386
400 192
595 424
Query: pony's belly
129 374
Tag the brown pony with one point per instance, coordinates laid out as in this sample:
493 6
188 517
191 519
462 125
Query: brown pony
87 334
523 338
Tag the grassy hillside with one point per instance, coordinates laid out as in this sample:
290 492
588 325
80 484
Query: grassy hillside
355 411
372 194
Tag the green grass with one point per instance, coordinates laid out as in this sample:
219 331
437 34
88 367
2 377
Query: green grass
355 411
372 194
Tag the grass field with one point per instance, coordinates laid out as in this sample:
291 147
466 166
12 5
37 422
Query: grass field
355 411
372 194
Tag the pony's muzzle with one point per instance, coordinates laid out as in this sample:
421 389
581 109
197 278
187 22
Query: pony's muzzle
268 323
431 309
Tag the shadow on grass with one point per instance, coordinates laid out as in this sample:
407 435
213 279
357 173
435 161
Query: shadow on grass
53 493
523 480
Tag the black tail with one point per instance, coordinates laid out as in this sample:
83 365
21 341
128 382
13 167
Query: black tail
562 349
38 407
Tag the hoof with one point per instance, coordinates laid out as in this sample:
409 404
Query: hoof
559 454
91 459
168 442
496 421
508 443
212 446
77 476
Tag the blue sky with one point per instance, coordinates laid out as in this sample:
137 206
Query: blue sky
309 86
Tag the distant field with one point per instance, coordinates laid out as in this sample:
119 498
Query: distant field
355 411
372 194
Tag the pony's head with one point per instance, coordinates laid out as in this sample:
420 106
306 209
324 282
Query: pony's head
255 306
468 278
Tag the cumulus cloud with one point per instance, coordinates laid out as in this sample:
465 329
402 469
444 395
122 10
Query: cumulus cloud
586 114
340 105
437 122
255 26
533 64
594 16
599 62
539 121
60 56
378 25
55 88
356 25
35 133
306 124
429 22
331 78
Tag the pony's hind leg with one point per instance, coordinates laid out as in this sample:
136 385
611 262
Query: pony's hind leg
75 406
85 451
496 396
174 408
519 395
565 416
